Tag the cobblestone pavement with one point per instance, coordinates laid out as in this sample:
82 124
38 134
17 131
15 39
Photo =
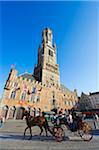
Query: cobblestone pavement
11 138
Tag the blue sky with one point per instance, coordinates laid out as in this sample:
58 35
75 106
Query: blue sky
75 31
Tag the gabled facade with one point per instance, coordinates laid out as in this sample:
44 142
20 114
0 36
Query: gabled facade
88 101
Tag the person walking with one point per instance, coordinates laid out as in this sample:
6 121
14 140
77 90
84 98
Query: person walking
34 112
2 120
60 112
39 111
60 116
96 121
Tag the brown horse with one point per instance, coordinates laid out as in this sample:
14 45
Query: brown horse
39 121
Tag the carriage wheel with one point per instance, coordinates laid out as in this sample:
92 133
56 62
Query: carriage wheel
85 132
58 134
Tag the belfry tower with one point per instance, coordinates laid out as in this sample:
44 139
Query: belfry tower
47 70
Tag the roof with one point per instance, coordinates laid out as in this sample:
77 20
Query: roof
27 76
85 96
94 93
64 88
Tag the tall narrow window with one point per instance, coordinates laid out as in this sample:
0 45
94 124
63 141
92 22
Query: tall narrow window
65 102
54 102
38 99
13 93
50 36
50 53
34 90
32 98
42 51
15 84
23 96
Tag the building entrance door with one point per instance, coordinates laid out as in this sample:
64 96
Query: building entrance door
20 113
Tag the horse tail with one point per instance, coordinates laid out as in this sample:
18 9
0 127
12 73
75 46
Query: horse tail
47 126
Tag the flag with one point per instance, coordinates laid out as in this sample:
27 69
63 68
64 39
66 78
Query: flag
21 102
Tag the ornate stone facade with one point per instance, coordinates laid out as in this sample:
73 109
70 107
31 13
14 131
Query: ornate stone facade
41 89
88 101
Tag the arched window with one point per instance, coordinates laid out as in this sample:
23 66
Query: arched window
13 93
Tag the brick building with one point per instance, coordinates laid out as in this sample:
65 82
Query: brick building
42 89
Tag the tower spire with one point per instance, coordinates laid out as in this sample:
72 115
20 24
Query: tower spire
47 70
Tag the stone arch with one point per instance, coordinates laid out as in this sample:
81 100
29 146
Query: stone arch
5 111
20 113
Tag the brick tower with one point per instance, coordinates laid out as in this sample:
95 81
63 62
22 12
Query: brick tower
47 70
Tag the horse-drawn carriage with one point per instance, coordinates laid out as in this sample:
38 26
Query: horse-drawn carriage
81 127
